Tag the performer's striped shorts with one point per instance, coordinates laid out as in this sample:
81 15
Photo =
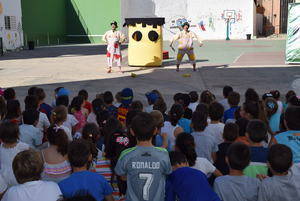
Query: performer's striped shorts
189 52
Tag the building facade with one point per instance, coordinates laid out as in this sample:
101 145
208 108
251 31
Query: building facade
208 18
11 31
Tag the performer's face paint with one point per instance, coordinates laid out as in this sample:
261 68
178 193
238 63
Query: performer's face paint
186 28
113 27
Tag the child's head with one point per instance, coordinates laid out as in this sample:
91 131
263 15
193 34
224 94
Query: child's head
227 90
31 91
160 105
143 127
256 131
199 121
9 132
292 118
203 108
136 105
57 136
185 144
31 102
234 99
79 154
130 116
76 104
178 160
270 106
151 97
112 125
31 117
231 132
59 115
276 94
100 111
28 166
158 119
280 158
251 95
9 94
13 109
62 100
289 94
207 97
178 98
186 100
127 96
194 96
294 101
250 110
108 98
267 95
216 111
176 113
61 91
238 156
91 134
41 95
3 108
84 94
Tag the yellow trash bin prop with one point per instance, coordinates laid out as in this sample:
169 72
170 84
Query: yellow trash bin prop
145 46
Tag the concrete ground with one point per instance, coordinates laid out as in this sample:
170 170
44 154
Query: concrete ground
242 64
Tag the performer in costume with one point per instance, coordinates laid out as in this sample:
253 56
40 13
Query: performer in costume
114 38
185 39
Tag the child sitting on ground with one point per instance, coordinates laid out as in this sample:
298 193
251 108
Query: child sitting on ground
185 144
9 94
29 134
145 166
28 167
194 100
236 186
13 112
43 107
87 106
215 127
284 184
233 100
225 102
108 100
257 133
58 117
10 147
81 179
186 183
76 109
206 146
230 134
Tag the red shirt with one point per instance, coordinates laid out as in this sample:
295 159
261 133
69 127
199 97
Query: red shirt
88 106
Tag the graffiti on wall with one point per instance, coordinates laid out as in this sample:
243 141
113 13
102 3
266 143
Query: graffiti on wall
176 23
207 22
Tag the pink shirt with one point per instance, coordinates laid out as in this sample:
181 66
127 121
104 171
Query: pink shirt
81 120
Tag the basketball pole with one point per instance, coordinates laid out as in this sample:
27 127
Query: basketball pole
227 31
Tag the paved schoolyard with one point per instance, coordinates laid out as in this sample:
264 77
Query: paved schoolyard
242 64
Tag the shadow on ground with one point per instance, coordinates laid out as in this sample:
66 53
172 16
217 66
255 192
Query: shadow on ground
169 82
58 51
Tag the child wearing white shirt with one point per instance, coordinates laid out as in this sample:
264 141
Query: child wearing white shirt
27 167
58 117
215 127
10 147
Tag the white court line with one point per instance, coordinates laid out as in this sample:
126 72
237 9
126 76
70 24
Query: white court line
236 59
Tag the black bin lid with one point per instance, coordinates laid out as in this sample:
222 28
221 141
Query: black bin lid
157 21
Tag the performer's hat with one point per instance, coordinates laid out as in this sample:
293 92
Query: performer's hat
115 23
186 24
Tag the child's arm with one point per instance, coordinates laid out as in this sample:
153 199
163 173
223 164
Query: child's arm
165 140
217 173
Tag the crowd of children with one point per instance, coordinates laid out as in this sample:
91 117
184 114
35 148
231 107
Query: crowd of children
200 149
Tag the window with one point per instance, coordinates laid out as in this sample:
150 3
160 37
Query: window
10 23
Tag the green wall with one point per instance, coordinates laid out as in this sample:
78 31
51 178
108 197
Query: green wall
53 21
44 20
91 17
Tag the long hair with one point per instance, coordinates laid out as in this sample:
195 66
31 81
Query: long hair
100 112
58 137
185 144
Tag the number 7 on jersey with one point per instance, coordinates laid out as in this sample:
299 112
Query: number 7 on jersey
146 188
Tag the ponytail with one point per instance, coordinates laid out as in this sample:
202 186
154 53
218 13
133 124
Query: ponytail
91 133
186 145
57 136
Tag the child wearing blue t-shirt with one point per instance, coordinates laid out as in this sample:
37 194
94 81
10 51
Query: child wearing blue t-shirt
82 180
233 101
185 183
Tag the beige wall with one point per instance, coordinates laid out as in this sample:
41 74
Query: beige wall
272 13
